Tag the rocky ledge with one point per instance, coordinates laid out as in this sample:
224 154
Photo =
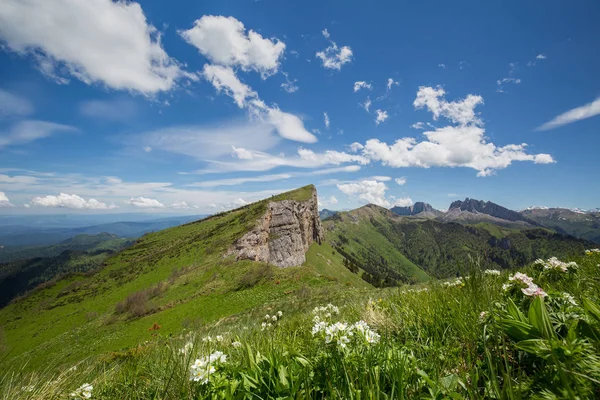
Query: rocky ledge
283 234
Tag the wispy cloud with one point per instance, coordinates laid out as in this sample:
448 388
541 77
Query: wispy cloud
13 105
30 130
577 114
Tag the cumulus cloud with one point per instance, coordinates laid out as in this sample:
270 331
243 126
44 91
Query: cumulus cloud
145 202
381 116
403 202
67 39
64 200
289 85
401 181
326 120
460 112
463 145
333 57
325 33
13 105
30 130
418 125
327 202
370 191
576 114
224 41
288 125
4 202
181 205
362 85
541 57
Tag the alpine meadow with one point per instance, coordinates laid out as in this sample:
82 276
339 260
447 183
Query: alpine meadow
263 200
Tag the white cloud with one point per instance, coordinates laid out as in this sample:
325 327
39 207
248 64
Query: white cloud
181 205
30 130
4 202
115 110
390 83
576 114
250 160
463 145
367 104
13 105
64 200
288 125
381 178
240 181
325 171
442 65
381 116
513 68
418 125
289 85
326 202
95 41
208 142
461 112
145 202
370 191
362 85
403 202
325 33
224 41
400 181
540 57
334 57
326 120
354 147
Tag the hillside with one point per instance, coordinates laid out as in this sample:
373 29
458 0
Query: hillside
415 248
585 225
176 278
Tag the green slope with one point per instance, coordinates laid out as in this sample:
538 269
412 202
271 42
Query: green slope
176 278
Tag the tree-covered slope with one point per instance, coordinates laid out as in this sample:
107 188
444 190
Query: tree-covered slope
439 249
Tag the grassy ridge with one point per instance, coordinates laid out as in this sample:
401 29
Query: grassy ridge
177 277
434 344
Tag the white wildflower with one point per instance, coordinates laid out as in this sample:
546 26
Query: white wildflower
592 251
343 341
236 344
482 315
494 272
219 338
279 314
186 348
372 336
522 278
534 290
274 318
83 392
203 367
569 298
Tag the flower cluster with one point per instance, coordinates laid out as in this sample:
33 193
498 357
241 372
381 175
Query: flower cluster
554 264
493 272
83 392
525 283
592 251
457 282
203 368
343 334
270 320
569 298
210 339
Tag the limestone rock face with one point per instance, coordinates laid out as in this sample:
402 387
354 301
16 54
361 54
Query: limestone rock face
283 234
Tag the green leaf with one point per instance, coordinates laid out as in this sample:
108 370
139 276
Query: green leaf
539 347
514 312
283 376
591 308
519 330
538 317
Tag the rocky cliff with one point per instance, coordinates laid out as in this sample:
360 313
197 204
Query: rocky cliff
283 234
489 208
419 208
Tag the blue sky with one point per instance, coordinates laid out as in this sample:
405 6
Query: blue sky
196 107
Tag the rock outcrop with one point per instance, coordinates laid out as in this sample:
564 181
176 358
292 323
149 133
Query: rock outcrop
419 208
489 208
283 234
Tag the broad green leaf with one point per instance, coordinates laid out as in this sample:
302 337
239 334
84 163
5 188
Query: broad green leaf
538 317
519 330
514 312
591 308
539 347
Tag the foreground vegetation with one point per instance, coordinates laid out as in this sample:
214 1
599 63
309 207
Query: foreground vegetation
490 335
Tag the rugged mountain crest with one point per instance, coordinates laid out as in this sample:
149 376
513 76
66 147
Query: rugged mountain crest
283 234
489 208
419 208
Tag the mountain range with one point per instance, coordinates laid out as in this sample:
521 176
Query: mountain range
578 223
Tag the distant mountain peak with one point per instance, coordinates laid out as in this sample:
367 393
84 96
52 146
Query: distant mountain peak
418 208
487 207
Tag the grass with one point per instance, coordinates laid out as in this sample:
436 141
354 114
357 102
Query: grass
434 344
